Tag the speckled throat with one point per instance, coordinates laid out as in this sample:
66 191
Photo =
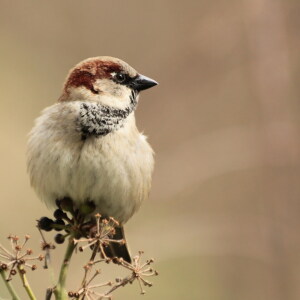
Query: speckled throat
99 120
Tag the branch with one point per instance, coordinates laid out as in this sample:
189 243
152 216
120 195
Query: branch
123 282
49 293
25 282
9 287
60 292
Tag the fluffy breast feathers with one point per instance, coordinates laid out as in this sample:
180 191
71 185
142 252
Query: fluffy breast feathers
113 170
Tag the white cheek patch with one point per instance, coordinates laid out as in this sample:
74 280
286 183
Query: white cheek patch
106 86
112 94
109 94
78 93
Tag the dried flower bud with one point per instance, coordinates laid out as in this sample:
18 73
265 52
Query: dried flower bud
60 223
29 251
33 267
45 223
14 238
59 238
41 257
59 214
116 260
66 204
46 246
13 272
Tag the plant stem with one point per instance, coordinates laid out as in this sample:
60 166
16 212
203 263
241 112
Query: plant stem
48 263
49 293
96 248
26 283
123 282
60 291
9 287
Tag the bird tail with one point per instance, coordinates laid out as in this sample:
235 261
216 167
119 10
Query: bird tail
119 250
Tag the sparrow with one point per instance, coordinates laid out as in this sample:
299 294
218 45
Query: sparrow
87 147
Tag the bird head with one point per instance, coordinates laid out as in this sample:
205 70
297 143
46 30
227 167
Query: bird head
105 80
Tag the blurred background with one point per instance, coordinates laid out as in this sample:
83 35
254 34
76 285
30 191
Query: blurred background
223 217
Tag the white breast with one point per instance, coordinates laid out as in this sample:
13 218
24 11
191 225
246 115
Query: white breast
114 171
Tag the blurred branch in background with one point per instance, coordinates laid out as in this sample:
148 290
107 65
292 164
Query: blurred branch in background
270 76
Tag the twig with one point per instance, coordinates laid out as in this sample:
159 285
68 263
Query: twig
123 282
47 261
91 261
60 292
49 293
25 282
9 287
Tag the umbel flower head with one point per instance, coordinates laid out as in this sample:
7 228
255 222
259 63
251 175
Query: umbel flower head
88 290
139 271
18 257
100 236
95 234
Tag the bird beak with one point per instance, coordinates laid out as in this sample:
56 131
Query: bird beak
141 82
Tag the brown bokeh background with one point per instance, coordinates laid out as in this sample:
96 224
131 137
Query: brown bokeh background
223 217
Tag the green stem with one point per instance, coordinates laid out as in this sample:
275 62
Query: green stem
60 291
9 287
26 283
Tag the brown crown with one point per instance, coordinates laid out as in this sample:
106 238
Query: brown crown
86 73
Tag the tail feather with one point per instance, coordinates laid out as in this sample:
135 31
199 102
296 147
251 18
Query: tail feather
117 249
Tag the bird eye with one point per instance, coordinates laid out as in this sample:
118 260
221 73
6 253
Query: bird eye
120 77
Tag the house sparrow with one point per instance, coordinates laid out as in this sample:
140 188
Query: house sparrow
87 147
